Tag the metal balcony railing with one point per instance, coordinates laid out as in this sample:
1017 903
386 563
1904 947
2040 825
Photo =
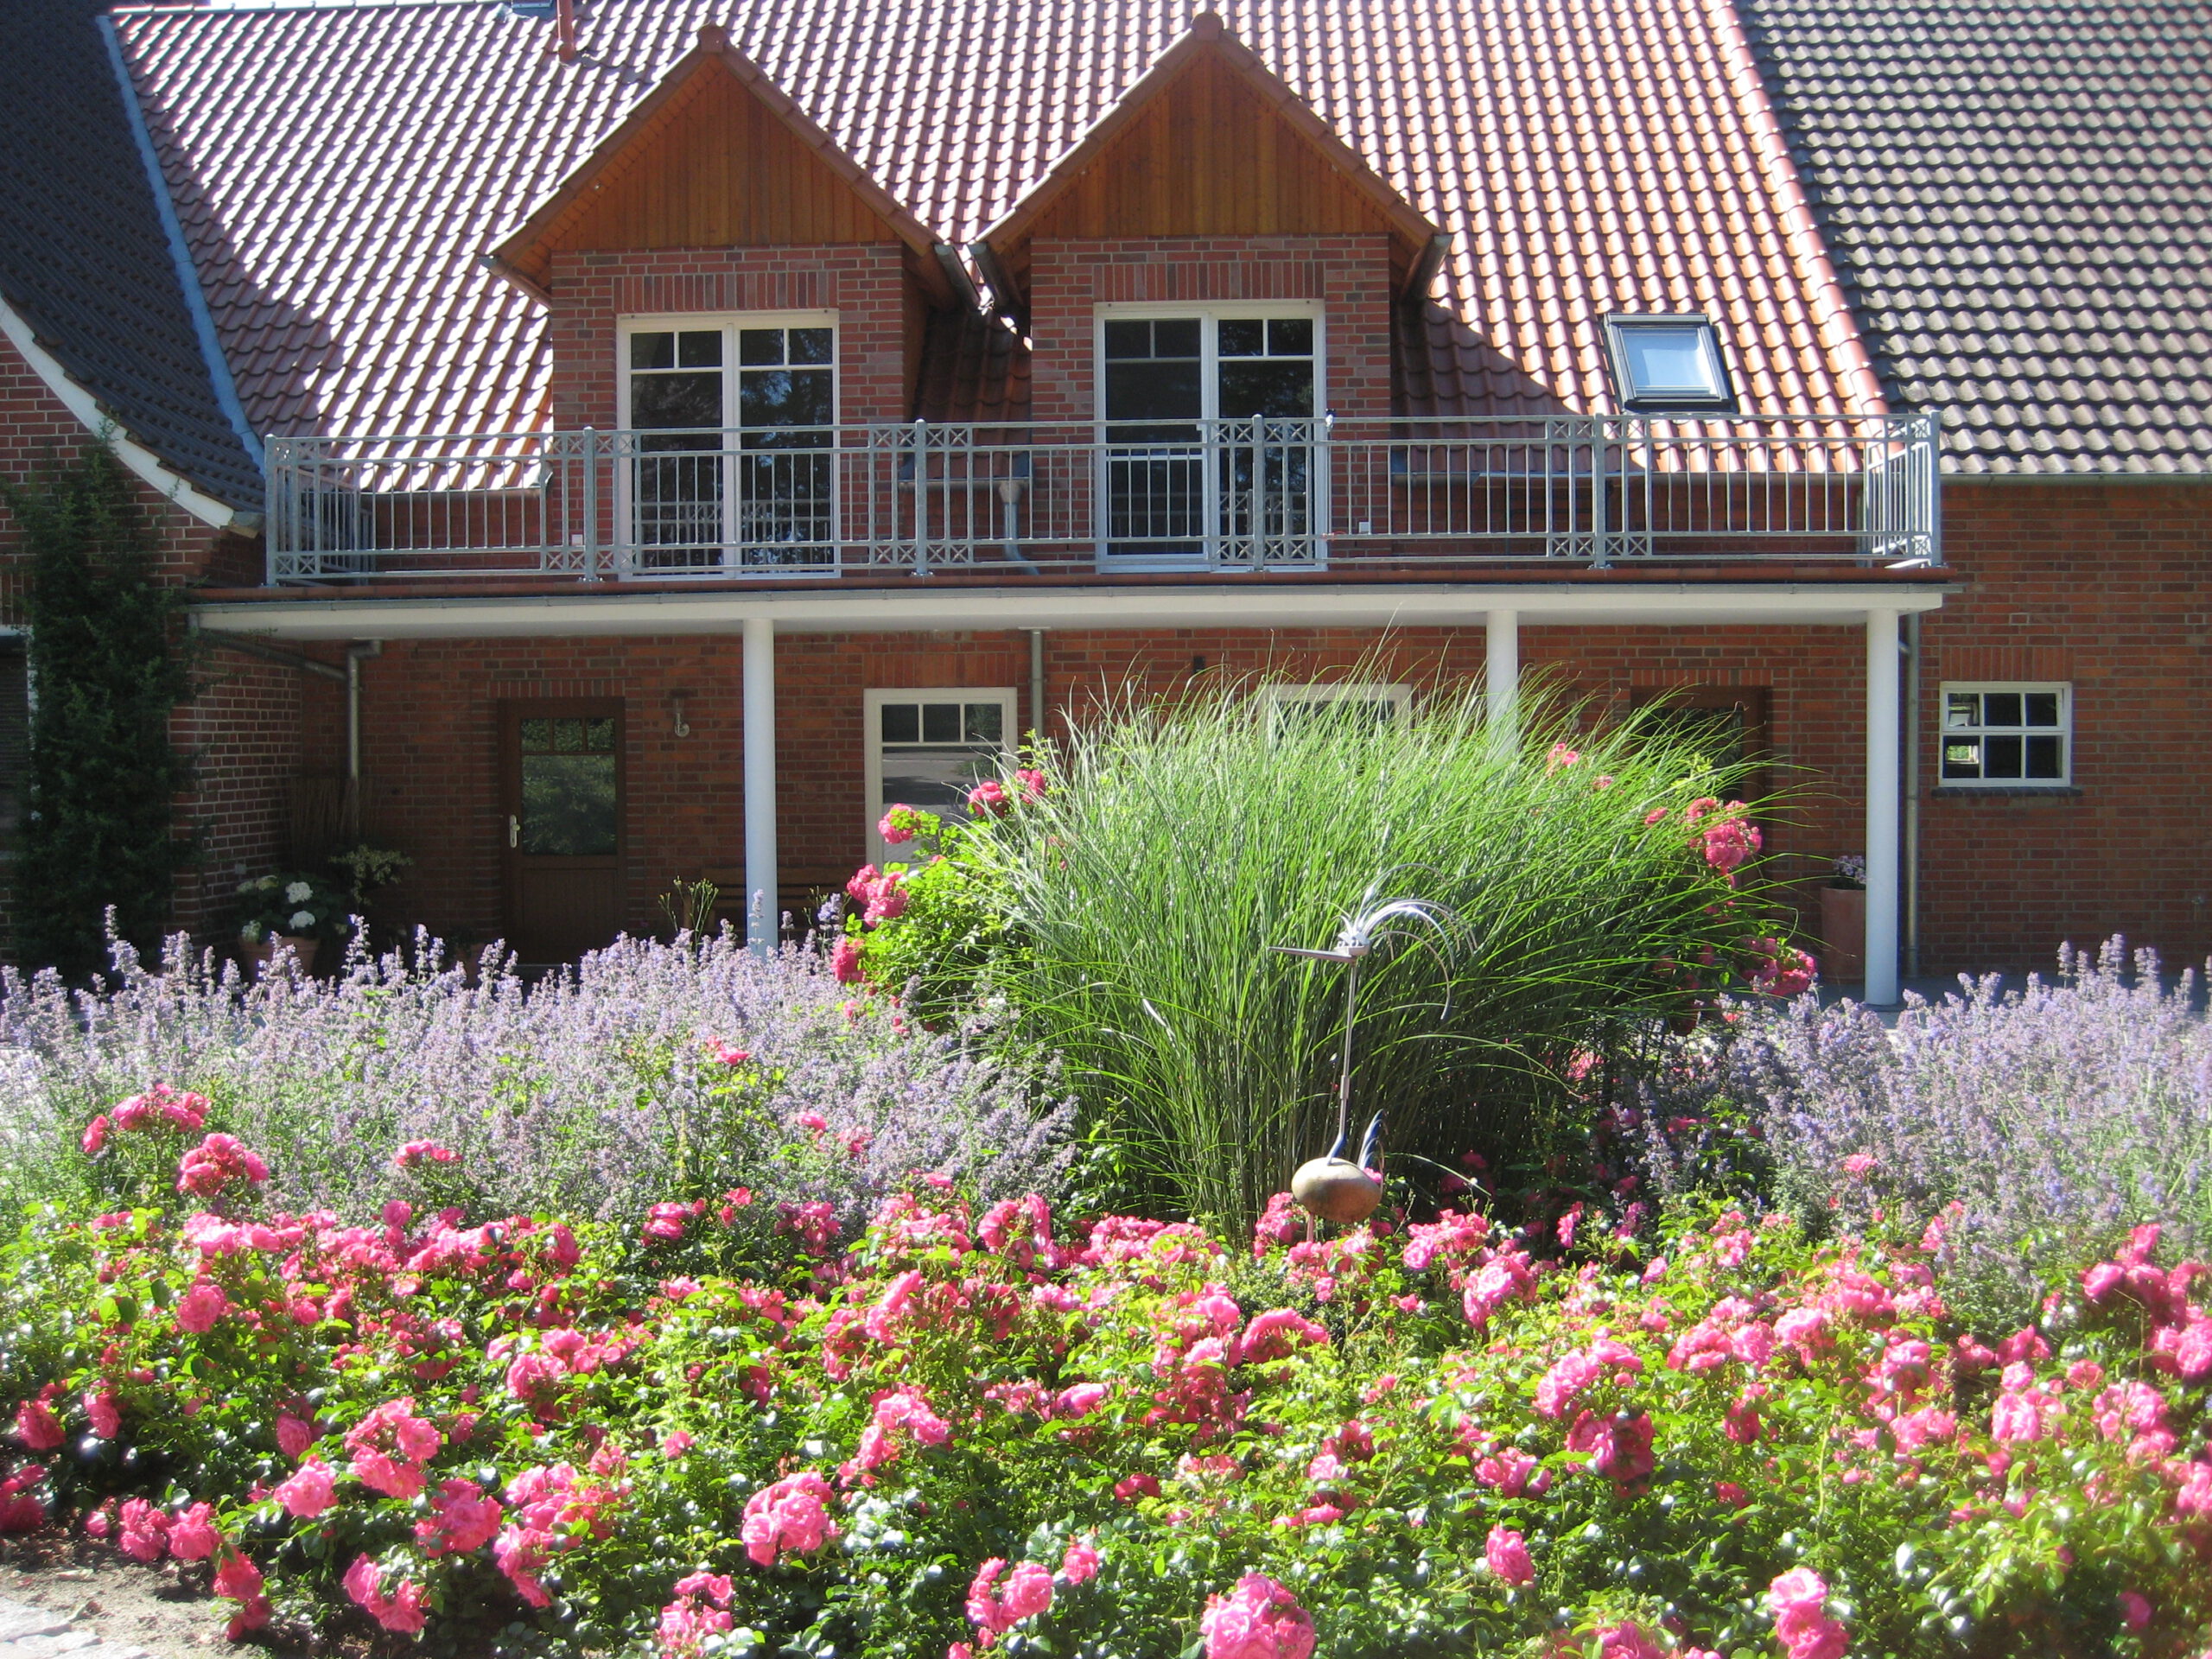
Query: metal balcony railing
1408 495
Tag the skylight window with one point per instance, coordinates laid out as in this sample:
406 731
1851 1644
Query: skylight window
1667 362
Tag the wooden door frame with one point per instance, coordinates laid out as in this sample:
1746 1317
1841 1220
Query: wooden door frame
512 711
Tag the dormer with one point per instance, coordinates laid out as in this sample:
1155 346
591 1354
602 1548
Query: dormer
1210 241
718 203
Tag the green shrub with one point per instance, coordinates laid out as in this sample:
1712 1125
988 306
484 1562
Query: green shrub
1123 919
108 669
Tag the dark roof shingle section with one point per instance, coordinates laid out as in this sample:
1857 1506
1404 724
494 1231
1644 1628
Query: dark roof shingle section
341 167
83 255
2020 198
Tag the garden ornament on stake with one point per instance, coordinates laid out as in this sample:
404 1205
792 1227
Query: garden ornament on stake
1331 1187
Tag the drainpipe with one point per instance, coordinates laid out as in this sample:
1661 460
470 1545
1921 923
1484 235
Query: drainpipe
1912 795
1037 687
354 653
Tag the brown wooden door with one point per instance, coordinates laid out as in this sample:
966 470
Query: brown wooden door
1726 723
561 825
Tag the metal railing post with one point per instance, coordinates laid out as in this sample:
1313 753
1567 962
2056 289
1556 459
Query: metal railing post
591 504
921 504
1600 551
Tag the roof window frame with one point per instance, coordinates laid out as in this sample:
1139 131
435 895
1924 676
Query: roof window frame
1722 402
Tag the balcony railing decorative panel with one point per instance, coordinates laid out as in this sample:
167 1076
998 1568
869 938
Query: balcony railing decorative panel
1259 494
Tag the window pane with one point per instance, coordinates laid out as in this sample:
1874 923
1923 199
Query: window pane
1290 337
1178 337
1666 359
1962 759
940 722
2000 757
699 348
759 346
664 400
567 736
775 398
538 734
1964 710
1282 389
1128 340
2043 707
2001 709
902 722
1138 391
599 736
809 345
985 723
652 351
568 805
1243 337
2046 757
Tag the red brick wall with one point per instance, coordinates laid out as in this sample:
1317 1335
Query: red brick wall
1349 276
430 720
865 283
2108 586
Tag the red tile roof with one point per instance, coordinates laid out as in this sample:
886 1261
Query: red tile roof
342 166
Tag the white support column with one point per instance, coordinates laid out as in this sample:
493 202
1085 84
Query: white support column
1502 665
1882 807
763 916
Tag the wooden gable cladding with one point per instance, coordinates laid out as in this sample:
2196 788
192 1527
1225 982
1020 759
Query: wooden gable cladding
716 156
1209 157
1209 143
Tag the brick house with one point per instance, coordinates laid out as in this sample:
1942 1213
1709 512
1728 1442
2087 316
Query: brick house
635 440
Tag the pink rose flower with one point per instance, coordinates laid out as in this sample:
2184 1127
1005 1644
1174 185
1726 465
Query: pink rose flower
402 1611
293 1435
1508 1555
791 1515
309 1490
1259 1619
192 1537
198 1308
95 1136
1080 1563
145 1531
37 1427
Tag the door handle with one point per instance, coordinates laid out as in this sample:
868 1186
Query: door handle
514 830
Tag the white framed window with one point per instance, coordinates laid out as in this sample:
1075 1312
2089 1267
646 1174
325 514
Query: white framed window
2007 734
1379 704
1662 362
928 748
1207 418
729 461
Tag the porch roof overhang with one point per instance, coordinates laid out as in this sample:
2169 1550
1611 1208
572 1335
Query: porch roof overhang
1607 597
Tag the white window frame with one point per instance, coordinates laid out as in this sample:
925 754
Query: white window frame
1008 697
1399 696
1210 315
2064 731
729 322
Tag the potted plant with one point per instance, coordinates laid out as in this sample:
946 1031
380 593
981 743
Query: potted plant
297 911
1843 919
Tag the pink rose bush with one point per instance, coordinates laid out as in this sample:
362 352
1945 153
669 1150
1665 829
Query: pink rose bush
1437 1422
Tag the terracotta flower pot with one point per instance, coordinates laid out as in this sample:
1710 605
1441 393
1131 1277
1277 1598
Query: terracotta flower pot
256 954
1843 934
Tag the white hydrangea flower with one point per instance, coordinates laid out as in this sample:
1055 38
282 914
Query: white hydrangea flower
303 920
299 892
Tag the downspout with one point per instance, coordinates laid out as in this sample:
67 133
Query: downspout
1037 687
354 653
1912 794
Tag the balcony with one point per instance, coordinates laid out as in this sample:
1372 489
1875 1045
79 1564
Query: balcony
1418 496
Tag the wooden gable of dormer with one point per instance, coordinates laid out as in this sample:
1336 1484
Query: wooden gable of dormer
1210 143
715 157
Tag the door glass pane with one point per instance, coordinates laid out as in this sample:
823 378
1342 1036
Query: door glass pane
675 406
1266 474
786 408
1156 467
569 807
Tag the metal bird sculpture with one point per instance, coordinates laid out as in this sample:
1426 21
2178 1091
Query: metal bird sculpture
1331 1187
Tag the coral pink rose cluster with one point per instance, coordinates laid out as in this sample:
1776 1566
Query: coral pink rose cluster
1259 1619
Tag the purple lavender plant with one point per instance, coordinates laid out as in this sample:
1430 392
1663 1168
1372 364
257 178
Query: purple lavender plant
2074 1108
599 1092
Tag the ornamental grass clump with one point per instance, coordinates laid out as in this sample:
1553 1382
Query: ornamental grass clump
1121 906
651 1077
2078 1107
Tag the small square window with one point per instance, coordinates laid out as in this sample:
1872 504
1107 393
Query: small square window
1663 363
2007 736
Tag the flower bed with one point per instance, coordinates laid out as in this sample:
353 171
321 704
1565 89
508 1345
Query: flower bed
969 1430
